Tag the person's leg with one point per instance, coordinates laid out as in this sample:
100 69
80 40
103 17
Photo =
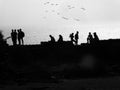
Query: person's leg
87 40
19 42
15 41
22 41
76 42
72 41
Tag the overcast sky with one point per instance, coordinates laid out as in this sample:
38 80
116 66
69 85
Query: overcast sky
39 18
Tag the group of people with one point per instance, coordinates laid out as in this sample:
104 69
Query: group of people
17 35
53 39
75 37
92 38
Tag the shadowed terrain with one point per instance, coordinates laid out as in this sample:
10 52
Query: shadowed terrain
54 63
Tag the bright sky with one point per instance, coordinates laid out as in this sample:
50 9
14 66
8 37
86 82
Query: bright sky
39 18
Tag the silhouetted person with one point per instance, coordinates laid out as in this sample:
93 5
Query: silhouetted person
60 38
52 38
14 37
96 39
90 38
21 35
12 34
76 37
72 37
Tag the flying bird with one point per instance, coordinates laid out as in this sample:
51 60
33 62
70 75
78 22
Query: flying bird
52 4
46 3
77 19
70 7
83 8
65 18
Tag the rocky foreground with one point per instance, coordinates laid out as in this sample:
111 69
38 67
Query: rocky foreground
111 83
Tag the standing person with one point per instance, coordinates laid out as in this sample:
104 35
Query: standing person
76 37
14 37
22 35
72 37
19 37
90 38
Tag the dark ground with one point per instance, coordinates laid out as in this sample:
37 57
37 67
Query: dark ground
60 65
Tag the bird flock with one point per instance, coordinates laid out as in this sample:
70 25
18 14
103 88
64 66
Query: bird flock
69 7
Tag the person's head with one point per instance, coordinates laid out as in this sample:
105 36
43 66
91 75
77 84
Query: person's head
77 32
20 29
15 30
94 33
60 35
89 33
50 35
12 30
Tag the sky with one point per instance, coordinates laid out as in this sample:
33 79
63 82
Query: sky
40 18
